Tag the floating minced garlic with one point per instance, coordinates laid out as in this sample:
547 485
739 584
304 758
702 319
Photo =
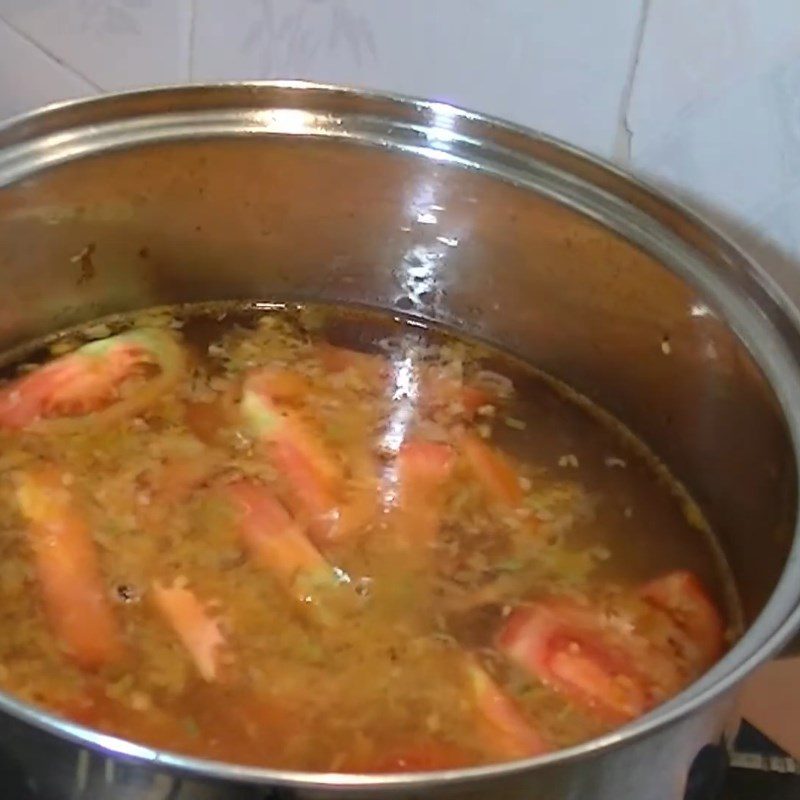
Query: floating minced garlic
568 460
140 701
615 461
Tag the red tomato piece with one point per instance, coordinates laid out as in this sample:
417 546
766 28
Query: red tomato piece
68 570
493 471
88 380
313 475
505 732
681 595
575 656
423 471
277 543
197 630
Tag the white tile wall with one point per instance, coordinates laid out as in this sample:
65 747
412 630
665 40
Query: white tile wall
715 115
518 59
29 77
113 44
700 97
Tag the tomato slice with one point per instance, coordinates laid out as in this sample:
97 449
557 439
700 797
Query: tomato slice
68 569
310 470
619 660
423 471
197 630
278 544
505 732
493 471
568 650
89 381
681 595
273 538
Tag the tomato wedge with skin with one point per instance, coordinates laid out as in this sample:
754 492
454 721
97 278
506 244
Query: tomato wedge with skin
683 598
276 542
423 471
68 570
575 658
309 469
493 471
618 660
506 734
200 634
83 387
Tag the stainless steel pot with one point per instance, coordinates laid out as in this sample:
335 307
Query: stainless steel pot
286 190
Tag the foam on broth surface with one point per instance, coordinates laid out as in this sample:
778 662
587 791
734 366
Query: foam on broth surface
339 542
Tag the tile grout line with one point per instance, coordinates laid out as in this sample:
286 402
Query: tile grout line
76 73
624 135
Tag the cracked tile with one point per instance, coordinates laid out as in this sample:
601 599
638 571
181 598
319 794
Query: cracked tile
29 78
715 115
115 44
692 53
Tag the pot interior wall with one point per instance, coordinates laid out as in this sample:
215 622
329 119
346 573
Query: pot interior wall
285 217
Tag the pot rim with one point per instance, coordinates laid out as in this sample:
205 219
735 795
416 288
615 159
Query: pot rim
767 635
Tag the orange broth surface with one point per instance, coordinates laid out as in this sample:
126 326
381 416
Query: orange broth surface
325 539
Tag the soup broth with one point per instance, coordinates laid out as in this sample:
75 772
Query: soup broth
325 539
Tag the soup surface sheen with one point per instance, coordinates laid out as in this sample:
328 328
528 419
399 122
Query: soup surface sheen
320 539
